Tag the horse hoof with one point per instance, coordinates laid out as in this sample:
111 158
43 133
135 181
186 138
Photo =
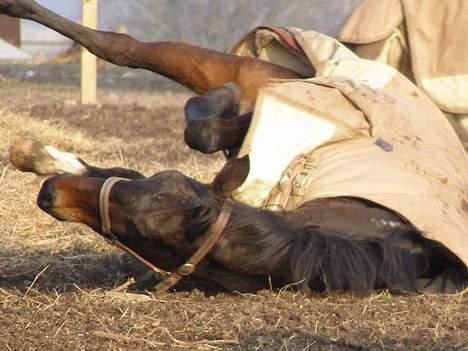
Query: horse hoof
24 153
29 155
222 101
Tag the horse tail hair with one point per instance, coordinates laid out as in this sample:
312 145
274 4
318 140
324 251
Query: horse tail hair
322 261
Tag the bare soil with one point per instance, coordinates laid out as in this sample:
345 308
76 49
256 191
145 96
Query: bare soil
62 287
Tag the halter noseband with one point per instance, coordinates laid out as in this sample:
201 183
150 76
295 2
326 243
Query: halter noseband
170 278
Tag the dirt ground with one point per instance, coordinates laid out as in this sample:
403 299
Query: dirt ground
62 287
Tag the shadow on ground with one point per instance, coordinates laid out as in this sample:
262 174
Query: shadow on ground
85 269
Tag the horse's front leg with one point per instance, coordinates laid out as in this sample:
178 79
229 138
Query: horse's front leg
194 67
30 155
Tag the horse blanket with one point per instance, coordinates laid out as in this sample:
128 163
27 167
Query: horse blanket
426 40
357 128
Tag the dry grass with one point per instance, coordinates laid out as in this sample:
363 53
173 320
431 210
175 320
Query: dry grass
61 287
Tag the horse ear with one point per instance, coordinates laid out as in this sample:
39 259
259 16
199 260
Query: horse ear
231 176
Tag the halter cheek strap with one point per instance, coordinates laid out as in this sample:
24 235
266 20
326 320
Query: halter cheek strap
170 278
106 229
104 205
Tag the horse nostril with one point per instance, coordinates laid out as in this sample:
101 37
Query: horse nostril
45 198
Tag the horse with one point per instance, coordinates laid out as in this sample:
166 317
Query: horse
170 211
327 244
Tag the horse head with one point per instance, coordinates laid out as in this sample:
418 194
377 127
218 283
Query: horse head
168 206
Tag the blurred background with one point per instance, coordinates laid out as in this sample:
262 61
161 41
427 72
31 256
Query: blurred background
216 24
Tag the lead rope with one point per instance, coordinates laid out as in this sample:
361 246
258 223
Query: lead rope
170 278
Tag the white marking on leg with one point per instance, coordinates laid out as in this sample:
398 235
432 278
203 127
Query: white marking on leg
66 162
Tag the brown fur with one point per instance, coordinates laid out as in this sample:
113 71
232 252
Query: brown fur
312 249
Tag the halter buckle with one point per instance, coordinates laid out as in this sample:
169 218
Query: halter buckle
186 269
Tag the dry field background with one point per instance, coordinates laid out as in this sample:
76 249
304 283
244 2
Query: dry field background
62 288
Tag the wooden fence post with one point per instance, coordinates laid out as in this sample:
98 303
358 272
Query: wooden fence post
88 60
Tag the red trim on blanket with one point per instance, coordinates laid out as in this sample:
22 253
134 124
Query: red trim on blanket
284 34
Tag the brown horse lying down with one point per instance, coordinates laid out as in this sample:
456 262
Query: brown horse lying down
337 243
165 218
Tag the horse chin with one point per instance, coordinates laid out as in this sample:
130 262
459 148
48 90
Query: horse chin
64 214
60 214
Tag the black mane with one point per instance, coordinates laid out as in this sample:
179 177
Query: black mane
317 258
325 261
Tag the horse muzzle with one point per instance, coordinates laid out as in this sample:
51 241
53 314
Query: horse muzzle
47 195
49 201
70 198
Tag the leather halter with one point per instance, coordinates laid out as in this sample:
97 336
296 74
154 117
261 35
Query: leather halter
170 278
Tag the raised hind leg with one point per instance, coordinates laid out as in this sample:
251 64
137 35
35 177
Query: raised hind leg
194 67
30 155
